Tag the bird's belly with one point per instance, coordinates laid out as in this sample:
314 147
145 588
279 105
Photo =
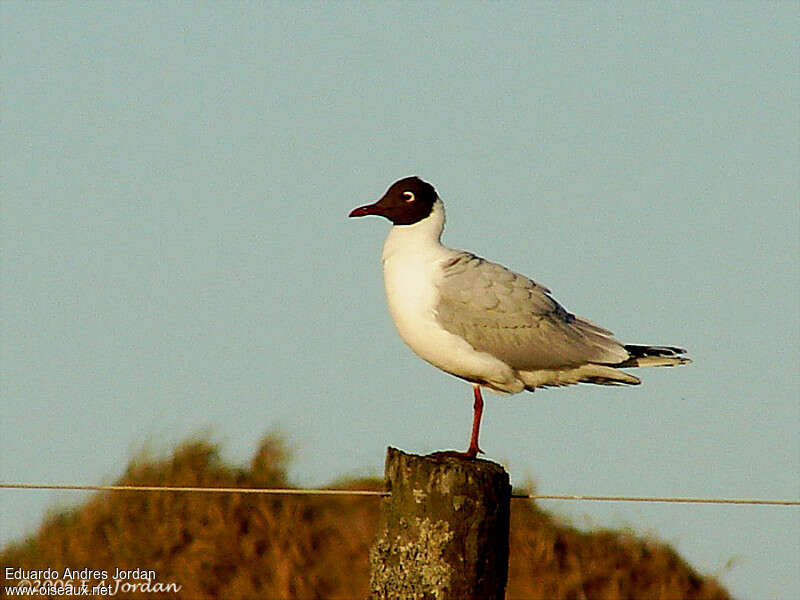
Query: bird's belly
412 298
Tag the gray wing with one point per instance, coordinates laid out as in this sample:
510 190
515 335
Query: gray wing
513 318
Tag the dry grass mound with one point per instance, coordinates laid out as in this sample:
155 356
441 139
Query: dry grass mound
247 546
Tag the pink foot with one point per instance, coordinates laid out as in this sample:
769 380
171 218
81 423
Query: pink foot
473 449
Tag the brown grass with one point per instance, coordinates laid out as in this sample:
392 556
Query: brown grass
247 546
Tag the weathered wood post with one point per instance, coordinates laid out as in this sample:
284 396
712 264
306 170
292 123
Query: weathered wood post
444 530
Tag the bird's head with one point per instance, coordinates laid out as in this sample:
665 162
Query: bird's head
407 201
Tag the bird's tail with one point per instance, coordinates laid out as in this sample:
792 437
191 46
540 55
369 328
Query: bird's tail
606 374
653 356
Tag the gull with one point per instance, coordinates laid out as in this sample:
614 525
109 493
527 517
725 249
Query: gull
484 323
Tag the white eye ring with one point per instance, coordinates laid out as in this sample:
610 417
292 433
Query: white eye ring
409 196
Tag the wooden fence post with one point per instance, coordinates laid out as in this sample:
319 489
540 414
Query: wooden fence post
443 532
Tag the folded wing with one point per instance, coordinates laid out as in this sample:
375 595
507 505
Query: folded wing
516 320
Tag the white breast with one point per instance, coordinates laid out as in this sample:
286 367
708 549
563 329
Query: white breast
412 267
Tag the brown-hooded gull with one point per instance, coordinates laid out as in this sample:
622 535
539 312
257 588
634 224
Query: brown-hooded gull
484 323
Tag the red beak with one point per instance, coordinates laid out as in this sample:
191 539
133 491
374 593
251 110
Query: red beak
369 209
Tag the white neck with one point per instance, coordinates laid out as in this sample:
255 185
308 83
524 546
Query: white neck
422 236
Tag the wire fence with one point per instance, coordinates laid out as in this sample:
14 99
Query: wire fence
345 492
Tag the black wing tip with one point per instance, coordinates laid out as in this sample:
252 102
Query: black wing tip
638 351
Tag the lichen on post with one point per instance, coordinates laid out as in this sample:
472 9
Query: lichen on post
444 530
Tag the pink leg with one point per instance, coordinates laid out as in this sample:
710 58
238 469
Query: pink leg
473 449
477 409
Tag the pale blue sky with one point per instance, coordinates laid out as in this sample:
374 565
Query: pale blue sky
177 257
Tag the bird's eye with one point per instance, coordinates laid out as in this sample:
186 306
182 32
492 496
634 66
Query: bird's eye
409 196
